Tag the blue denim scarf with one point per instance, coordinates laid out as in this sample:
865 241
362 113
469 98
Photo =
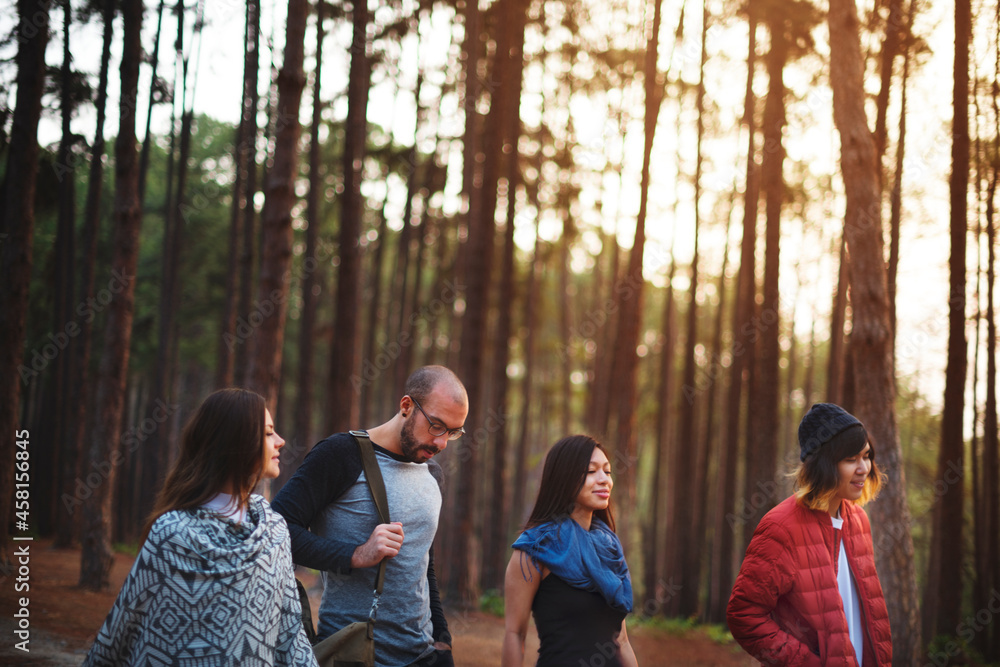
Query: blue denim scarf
589 560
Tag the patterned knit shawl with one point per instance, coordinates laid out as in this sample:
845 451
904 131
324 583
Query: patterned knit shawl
589 560
206 591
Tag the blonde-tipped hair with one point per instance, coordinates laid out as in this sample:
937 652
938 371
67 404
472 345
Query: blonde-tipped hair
817 478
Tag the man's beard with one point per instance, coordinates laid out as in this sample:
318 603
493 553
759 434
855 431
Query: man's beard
413 450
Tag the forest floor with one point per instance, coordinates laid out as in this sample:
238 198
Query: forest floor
64 620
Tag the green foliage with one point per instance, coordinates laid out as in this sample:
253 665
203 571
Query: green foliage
491 602
130 548
947 650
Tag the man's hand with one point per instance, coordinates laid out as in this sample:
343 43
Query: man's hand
384 542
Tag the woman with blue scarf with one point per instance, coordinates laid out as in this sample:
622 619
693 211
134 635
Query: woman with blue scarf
568 568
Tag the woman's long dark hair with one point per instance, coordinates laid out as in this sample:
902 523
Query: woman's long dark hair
563 476
222 447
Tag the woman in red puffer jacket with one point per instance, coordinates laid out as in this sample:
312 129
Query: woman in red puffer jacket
808 593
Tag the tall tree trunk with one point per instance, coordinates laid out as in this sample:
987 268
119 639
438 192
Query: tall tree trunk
988 575
248 250
531 291
762 437
312 280
242 198
17 229
709 465
495 547
725 521
896 197
153 90
871 340
67 532
65 256
264 372
835 362
104 454
476 276
944 575
566 239
656 540
991 443
398 325
345 406
894 31
630 298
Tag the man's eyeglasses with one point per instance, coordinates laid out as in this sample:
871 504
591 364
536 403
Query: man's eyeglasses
436 428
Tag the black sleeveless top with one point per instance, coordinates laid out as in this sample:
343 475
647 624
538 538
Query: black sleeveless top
574 625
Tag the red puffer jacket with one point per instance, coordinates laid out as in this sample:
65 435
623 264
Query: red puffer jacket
786 608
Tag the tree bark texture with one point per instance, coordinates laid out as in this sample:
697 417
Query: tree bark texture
272 293
944 576
17 228
245 153
726 524
104 454
65 253
91 223
345 362
871 339
762 437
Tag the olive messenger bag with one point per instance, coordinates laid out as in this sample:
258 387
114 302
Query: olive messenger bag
353 645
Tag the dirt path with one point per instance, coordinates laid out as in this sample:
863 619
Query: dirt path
64 620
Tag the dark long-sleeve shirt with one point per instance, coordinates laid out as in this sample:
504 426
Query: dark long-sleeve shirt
331 480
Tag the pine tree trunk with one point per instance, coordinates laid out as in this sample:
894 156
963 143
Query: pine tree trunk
762 437
242 199
896 197
630 299
65 255
248 249
264 373
656 542
345 405
944 576
68 531
302 439
104 454
476 276
154 63
871 338
531 291
725 523
510 50
991 442
835 363
17 227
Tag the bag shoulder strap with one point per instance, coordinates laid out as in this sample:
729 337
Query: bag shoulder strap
373 474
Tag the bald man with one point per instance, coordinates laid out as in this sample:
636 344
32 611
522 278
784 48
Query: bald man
335 526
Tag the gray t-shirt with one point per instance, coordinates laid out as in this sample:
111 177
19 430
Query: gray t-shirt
403 624
329 509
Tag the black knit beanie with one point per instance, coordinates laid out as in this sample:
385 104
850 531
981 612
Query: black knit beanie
823 423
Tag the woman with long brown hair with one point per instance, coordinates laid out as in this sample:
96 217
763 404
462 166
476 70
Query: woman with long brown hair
213 582
568 567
